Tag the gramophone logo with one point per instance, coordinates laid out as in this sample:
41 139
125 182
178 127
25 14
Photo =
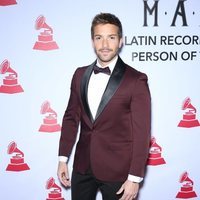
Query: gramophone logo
7 2
54 190
186 191
45 38
10 81
189 117
17 160
155 157
50 120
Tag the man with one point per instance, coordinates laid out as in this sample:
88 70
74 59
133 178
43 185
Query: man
113 109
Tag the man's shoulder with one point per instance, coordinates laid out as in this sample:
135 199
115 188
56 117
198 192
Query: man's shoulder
81 70
130 69
134 72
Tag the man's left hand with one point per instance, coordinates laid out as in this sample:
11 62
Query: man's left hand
129 189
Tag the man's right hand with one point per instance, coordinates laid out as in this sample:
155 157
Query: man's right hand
63 174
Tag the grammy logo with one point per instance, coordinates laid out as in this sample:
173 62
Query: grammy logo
45 38
189 117
10 82
55 190
50 120
7 2
17 161
155 157
186 191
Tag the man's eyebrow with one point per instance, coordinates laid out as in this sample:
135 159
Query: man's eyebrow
114 34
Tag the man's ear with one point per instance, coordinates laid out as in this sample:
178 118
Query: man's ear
121 43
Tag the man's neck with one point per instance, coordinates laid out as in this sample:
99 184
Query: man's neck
105 64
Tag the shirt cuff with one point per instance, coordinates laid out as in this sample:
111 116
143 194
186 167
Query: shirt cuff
62 159
135 179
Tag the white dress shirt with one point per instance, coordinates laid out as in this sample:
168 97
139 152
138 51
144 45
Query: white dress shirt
96 88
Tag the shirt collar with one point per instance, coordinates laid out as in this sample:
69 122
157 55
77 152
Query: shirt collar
111 64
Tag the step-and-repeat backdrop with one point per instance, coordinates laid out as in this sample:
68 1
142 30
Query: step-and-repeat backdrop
41 45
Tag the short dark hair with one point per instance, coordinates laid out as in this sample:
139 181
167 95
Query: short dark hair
106 18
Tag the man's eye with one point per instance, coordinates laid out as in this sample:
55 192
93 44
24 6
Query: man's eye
97 38
112 37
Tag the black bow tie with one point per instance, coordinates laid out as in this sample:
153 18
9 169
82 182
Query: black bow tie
105 70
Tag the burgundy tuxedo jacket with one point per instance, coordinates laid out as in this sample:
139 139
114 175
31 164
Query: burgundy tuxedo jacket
116 142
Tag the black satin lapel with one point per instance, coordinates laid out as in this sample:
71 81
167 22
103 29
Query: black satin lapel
112 85
84 90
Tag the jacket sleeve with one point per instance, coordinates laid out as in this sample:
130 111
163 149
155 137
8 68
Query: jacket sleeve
141 125
71 119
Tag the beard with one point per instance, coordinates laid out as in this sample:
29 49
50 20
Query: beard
107 56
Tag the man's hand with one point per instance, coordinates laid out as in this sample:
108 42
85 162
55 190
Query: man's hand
129 189
63 174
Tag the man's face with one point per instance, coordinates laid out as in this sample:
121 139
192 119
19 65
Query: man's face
106 42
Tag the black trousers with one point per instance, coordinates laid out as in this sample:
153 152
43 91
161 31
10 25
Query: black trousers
86 186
